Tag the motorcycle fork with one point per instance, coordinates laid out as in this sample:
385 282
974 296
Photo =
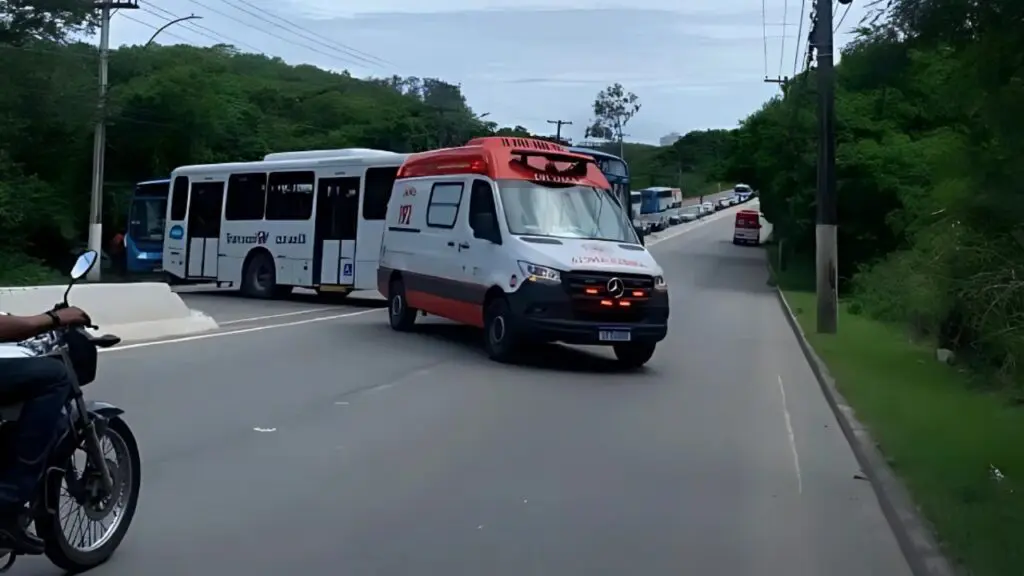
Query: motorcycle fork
87 428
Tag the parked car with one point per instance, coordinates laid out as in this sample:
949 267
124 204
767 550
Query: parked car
707 208
689 213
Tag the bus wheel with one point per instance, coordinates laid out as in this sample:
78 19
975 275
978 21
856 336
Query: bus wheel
259 280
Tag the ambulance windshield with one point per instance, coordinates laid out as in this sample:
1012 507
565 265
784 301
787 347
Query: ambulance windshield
563 211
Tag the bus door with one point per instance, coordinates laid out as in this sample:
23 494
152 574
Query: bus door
205 212
334 238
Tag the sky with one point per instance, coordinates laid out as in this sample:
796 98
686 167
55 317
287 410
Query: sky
694 65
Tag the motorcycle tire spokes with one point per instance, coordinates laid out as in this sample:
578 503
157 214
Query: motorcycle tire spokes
91 517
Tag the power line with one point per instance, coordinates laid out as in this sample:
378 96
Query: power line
153 27
358 54
200 30
841 18
764 34
799 33
273 34
785 19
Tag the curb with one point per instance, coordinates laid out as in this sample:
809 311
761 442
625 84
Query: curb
914 535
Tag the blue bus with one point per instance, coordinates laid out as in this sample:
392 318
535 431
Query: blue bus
653 209
616 171
144 240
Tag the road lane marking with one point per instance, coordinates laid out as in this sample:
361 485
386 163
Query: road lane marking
792 439
272 316
240 331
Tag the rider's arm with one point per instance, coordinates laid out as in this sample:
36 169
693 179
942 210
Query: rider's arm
18 328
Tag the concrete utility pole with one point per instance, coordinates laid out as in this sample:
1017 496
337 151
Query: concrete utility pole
559 123
100 137
826 260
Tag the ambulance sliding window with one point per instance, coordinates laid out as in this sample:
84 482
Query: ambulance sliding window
443 207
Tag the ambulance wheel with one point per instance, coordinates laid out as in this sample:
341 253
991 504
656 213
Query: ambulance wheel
500 340
634 354
259 279
401 316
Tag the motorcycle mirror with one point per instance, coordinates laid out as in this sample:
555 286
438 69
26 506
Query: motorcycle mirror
82 266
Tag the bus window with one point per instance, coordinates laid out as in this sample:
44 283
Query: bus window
290 195
247 196
378 184
146 220
179 198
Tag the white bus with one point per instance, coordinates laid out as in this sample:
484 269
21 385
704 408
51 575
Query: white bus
267 227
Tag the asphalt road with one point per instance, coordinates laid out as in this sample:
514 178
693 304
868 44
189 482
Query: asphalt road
390 454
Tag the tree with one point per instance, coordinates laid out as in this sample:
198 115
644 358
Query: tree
25 21
176 105
614 107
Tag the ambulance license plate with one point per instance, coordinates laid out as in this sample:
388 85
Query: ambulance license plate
613 335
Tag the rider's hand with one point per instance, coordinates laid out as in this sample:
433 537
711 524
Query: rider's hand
72 316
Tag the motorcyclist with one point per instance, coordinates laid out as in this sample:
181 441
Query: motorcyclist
43 386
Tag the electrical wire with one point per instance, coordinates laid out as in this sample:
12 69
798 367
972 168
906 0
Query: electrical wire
764 34
843 17
799 33
322 52
358 54
785 20
199 30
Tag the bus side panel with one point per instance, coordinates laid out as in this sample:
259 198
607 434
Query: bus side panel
175 239
370 232
330 262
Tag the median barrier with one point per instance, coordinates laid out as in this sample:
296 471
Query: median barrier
140 311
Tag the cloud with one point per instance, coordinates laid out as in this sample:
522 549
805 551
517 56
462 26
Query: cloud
694 65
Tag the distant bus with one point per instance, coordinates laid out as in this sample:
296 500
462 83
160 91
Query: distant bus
144 240
652 210
742 192
616 171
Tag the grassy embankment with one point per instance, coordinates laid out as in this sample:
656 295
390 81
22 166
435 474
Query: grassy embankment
958 447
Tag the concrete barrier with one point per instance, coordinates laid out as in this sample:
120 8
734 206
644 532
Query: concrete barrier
141 311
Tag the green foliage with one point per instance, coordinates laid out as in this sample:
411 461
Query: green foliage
23 21
930 160
614 107
178 105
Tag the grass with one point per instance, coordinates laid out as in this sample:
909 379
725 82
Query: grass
941 433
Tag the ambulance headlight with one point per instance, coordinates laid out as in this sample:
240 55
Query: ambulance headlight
659 283
540 273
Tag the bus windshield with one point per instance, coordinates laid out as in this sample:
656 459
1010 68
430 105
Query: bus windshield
563 211
146 221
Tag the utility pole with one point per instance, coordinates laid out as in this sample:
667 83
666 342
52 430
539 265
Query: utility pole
100 136
559 123
826 257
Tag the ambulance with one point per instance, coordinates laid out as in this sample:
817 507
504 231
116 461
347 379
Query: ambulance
747 229
524 239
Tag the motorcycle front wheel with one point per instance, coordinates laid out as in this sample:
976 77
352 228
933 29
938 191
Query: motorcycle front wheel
85 531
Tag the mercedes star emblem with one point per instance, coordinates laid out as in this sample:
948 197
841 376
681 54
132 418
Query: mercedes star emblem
616 288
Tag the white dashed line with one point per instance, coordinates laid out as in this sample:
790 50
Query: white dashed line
792 439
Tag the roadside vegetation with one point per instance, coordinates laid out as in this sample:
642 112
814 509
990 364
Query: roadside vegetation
930 129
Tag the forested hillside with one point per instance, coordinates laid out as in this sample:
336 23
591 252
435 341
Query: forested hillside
170 106
930 159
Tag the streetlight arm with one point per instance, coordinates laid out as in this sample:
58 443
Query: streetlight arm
168 25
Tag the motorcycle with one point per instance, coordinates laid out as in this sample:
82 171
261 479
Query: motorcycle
102 488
